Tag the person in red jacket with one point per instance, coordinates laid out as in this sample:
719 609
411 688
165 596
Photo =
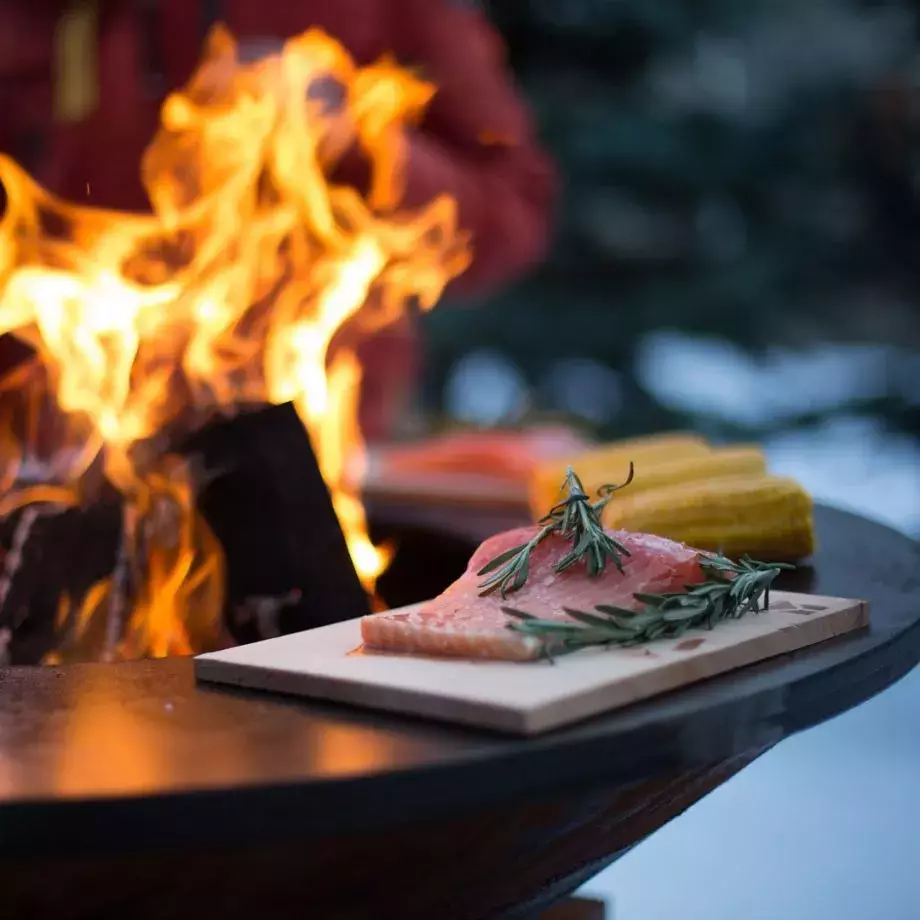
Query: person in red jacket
476 142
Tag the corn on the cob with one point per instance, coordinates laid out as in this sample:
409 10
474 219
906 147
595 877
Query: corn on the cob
610 463
718 463
767 517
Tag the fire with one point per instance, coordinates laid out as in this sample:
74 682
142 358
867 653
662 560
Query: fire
229 293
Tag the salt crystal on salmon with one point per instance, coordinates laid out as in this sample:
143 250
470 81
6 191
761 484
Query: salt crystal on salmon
461 623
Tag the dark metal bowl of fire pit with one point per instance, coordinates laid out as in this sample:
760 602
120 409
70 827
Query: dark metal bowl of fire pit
128 791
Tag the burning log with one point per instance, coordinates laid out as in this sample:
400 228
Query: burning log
262 493
56 555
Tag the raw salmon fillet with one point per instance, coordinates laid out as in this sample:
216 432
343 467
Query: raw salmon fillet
460 623
508 455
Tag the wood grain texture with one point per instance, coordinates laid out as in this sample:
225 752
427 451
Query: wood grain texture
524 698
507 863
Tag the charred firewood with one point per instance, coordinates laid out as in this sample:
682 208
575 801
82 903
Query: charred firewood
54 555
262 493
260 490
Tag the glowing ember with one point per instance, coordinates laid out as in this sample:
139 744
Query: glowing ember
228 294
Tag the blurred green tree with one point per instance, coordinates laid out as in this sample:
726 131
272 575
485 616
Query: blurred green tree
743 170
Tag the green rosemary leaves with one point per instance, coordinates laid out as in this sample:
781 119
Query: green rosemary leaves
577 519
731 590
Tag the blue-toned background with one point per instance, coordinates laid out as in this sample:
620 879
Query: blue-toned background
737 248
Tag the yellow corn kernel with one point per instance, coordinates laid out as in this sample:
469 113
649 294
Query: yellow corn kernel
610 463
719 463
767 517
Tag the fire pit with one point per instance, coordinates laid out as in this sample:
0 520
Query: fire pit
125 790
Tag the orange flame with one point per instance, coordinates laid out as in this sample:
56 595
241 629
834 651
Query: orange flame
229 293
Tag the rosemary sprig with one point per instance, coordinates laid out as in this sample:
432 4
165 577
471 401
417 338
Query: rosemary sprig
731 590
575 518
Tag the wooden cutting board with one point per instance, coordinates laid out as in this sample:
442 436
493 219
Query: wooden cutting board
527 698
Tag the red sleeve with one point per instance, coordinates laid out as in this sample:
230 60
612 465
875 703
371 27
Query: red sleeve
477 141
26 51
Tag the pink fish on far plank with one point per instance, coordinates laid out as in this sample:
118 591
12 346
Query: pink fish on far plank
461 623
